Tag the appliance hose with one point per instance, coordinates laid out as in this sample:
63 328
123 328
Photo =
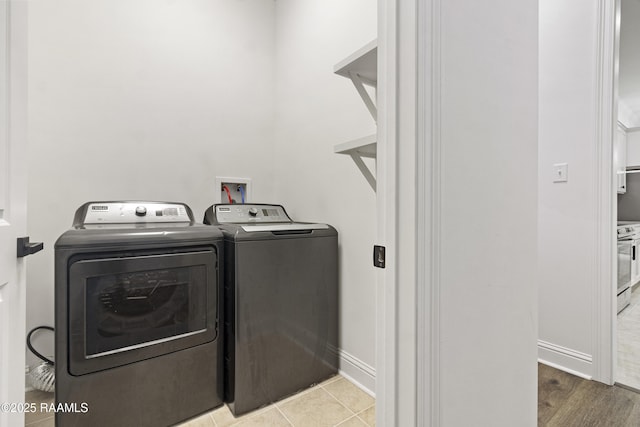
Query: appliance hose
42 376
225 188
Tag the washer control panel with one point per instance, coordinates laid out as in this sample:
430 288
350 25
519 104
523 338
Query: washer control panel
134 212
250 213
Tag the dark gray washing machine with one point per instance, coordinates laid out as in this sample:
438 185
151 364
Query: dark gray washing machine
281 303
137 309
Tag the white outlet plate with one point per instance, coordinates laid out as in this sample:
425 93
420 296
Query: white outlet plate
233 184
560 172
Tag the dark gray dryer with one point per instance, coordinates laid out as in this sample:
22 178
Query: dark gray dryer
137 305
281 303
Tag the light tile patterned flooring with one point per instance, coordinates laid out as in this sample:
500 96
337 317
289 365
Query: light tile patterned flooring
629 342
38 419
335 402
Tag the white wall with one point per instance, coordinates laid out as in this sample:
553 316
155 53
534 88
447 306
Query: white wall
142 99
485 210
316 110
153 99
568 222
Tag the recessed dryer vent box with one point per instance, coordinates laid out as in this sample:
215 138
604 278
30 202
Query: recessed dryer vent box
237 188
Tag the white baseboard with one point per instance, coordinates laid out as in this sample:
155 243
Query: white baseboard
565 359
358 372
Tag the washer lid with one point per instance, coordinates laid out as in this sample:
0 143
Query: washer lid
294 226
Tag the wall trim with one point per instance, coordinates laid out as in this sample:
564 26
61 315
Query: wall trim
386 386
564 369
358 372
605 252
565 351
428 194
566 359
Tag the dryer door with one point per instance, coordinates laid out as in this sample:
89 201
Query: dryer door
122 310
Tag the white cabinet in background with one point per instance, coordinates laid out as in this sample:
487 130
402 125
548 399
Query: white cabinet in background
620 159
635 262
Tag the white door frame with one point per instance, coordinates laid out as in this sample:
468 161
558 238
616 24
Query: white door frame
386 328
604 303
397 325
428 219
13 161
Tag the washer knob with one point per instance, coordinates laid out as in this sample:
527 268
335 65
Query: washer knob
141 211
253 211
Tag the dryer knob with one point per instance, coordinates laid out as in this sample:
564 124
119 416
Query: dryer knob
141 211
253 211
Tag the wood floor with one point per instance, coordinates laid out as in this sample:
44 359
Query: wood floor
565 400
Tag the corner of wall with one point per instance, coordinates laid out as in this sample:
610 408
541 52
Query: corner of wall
358 372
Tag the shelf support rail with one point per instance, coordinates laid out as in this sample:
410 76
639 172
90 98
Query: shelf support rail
364 169
371 106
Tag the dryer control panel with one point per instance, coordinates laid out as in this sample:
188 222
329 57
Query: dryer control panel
132 212
250 213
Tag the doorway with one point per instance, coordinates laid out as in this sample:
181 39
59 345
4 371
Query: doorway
627 165
218 139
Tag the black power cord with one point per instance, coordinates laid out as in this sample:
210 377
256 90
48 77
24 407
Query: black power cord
33 350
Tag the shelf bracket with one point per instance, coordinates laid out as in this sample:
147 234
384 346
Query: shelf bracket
371 179
371 106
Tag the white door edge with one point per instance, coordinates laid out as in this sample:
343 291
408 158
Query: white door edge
604 305
386 329
13 200
428 219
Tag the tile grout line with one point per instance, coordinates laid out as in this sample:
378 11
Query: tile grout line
284 415
296 395
210 413
300 394
331 380
339 401
366 423
345 405
365 409
345 420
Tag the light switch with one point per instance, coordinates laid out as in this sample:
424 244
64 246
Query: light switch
560 172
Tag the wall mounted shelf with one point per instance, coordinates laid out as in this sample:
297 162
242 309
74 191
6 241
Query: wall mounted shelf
357 149
361 68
